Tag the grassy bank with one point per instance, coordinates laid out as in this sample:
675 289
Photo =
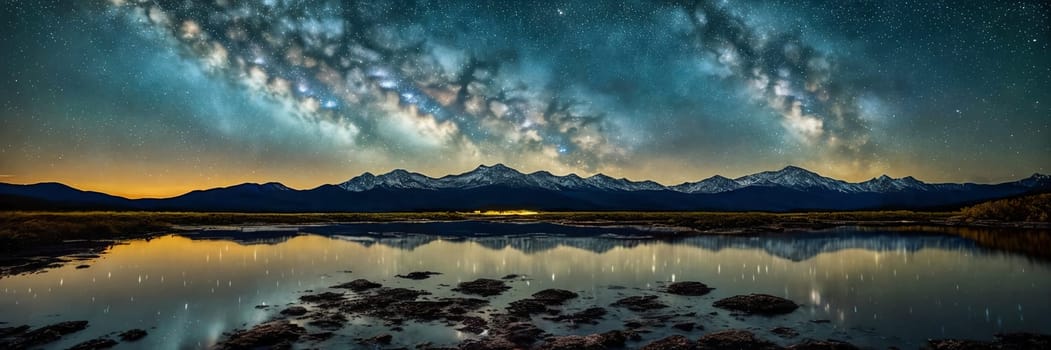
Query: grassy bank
1034 208
21 228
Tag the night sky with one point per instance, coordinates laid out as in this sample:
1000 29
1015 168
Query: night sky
155 98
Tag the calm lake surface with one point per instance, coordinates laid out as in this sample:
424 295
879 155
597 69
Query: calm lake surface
876 288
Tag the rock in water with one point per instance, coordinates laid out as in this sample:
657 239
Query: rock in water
675 342
587 316
554 296
526 307
611 339
785 332
266 335
761 304
1023 340
540 301
323 297
1004 341
640 303
830 344
95 344
10 331
688 288
44 335
482 286
294 311
418 275
685 326
383 339
132 334
359 285
734 339
959 344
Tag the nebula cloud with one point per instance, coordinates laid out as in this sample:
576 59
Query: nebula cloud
370 73
379 72
792 78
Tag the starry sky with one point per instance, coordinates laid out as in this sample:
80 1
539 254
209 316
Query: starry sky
155 98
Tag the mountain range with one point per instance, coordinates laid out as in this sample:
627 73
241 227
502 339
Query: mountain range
501 187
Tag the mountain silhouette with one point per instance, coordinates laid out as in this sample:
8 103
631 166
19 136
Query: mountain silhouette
501 187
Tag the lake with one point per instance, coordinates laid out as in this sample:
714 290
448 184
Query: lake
871 287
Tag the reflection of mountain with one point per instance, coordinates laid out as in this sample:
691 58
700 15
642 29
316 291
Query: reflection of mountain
803 246
469 228
534 238
535 244
248 235
795 247
406 242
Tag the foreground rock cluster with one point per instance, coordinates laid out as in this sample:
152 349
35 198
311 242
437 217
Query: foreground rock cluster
513 328
320 315
516 326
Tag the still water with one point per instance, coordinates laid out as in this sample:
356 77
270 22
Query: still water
876 288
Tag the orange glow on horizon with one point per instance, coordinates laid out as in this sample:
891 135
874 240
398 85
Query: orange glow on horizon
164 180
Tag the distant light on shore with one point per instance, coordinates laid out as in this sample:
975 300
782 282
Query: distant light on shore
506 212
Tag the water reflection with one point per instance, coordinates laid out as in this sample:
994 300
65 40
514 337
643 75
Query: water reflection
187 292
537 237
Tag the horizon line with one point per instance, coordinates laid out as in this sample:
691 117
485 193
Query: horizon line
786 167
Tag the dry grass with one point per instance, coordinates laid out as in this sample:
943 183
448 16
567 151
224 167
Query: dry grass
1034 208
19 228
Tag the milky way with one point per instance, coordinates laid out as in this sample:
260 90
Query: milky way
632 88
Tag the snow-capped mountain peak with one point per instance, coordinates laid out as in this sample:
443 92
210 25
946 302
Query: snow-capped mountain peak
499 167
885 183
275 186
608 183
496 174
1037 179
363 182
396 179
792 177
795 178
714 184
